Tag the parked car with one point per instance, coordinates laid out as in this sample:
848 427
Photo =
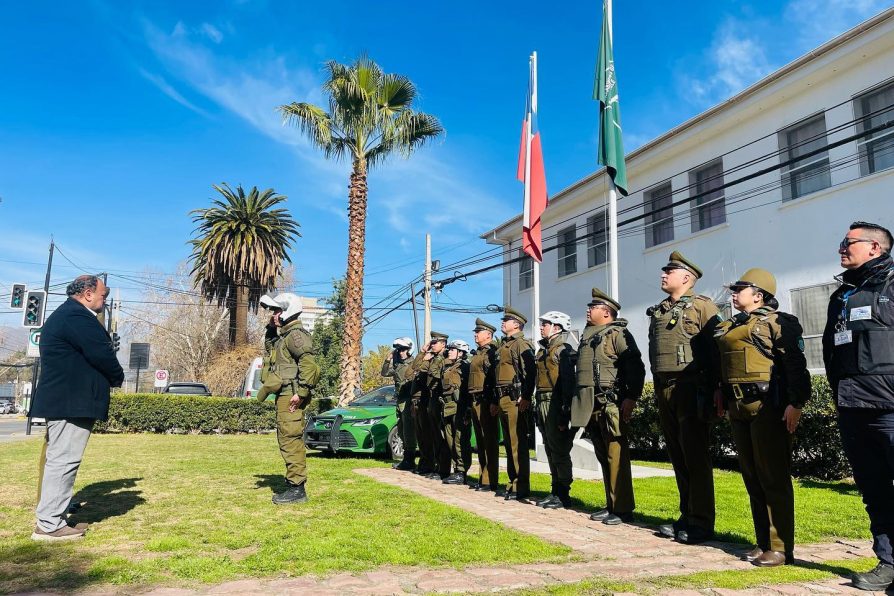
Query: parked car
188 389
7 408
252 381
366 425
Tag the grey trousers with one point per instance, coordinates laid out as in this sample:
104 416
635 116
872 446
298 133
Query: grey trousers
66 440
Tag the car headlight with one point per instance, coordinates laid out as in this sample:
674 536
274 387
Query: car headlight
369 421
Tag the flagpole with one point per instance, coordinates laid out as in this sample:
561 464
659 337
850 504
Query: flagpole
614 290
535 295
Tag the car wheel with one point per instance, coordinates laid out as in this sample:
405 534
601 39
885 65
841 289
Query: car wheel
395 444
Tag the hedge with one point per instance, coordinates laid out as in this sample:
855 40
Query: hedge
817 446
817 451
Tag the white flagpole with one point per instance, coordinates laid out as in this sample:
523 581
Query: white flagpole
614 289
535 295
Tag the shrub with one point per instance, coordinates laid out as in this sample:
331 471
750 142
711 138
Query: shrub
817 451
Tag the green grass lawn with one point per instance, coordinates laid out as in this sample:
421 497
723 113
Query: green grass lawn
823 510
196 509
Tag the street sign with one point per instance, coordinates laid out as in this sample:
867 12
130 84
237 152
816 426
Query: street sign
33 349
161 378
139 356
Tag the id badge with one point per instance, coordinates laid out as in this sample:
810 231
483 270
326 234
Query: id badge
862 313
844 337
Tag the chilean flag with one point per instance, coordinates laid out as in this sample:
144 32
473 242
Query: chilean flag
531 171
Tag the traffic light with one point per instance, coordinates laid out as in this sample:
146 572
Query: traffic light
35 306
116 342
17 300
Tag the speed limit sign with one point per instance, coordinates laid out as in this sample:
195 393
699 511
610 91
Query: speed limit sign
161 378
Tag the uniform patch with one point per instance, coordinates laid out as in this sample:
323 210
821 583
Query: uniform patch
801 343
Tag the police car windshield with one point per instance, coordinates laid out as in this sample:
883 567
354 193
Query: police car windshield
383 396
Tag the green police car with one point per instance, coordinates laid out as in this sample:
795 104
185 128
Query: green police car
366 425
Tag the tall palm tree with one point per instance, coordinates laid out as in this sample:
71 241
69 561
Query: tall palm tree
239 250
370 117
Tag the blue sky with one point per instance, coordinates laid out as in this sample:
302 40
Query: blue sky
116 118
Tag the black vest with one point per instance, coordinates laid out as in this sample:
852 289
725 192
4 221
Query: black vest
871 349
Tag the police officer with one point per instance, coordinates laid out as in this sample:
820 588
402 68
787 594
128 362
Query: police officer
290 372
427 368
555 388
455 416
765 384
482 381
610 378
858 349
516 377
396 366
681 331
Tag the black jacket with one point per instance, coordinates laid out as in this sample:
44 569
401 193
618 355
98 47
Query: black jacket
873 389
78 366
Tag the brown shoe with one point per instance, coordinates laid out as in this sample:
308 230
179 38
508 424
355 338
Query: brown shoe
754 553
770 558
63 533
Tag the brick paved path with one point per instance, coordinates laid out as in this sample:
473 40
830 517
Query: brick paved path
622 553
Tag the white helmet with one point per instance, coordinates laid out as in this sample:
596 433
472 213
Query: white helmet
288 303
459 345
557 318
403 342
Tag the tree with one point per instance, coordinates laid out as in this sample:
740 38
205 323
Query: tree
372 368
327 338
370 117
239 251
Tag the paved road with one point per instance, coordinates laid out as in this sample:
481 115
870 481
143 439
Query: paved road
12 428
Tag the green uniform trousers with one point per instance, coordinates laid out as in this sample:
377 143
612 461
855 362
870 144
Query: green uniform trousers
557 443
688 441
440 447
459 443
407 429
424 435
515 439
290 435
765 459
486 439
613 454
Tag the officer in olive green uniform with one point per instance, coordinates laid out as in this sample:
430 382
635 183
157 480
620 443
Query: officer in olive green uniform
455 416
555 388
516 379
290 372
610 376
482 381
397 366
681 328
765 384
427 368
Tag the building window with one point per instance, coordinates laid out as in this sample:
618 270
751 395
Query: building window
810 305
708 209
597 239
567 241
659 215
525 271
877 149
812 173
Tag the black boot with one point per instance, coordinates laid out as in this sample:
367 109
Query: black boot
404 466
455 478
293 494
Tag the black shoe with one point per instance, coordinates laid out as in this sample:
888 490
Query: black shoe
433 476
404 466
483 488
694 535
671 530
600 515
878 579
510 495
617 519
501 492
423 471
456 478
546 499
293 494
555 503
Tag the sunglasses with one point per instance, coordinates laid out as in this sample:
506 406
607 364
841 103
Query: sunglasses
847 242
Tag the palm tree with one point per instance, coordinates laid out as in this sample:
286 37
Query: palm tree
239 251
370 117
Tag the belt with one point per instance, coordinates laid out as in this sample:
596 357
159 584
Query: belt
503 390
747 391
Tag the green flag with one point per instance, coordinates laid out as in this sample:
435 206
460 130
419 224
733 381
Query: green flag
605 90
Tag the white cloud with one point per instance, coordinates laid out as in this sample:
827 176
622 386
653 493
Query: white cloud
211 32
818 21
169 90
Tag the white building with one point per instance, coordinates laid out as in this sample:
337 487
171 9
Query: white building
788 220
312 313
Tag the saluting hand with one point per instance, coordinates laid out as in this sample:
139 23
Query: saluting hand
293 403
791 416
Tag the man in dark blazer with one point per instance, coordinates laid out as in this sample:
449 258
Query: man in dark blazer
78 369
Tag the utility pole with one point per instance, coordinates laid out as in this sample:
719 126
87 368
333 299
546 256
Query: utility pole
415 316
101 317
36 365
427 325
